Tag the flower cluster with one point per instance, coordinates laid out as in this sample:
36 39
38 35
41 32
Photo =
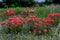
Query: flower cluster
44 24
47 20
15 21
32 18
32 23
51 15
38 24
54 15
57 15
9 12
27 11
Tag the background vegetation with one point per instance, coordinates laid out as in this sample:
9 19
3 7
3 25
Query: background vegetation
26 3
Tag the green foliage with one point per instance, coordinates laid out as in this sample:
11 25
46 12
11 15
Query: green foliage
15 3
48 1
27 3
12 3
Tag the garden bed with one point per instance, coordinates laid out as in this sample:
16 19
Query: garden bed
20 14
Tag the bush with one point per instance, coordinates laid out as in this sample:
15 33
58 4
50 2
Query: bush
11 3
48 1
16 3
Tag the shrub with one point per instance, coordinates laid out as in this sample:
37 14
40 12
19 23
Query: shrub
15 3
49 1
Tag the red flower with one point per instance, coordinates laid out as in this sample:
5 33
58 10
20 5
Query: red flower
57 15
10 19
43 20
15 21
25 11
4 22
34 30
9 12
38 24
12 12
51 15
33 18
49 20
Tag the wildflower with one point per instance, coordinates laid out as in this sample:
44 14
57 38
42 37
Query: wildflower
49 20
9 12
4 22
10 19
43 20
51 15
33 18
15 21
12 12
34 30
25 11
38 24
57 15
